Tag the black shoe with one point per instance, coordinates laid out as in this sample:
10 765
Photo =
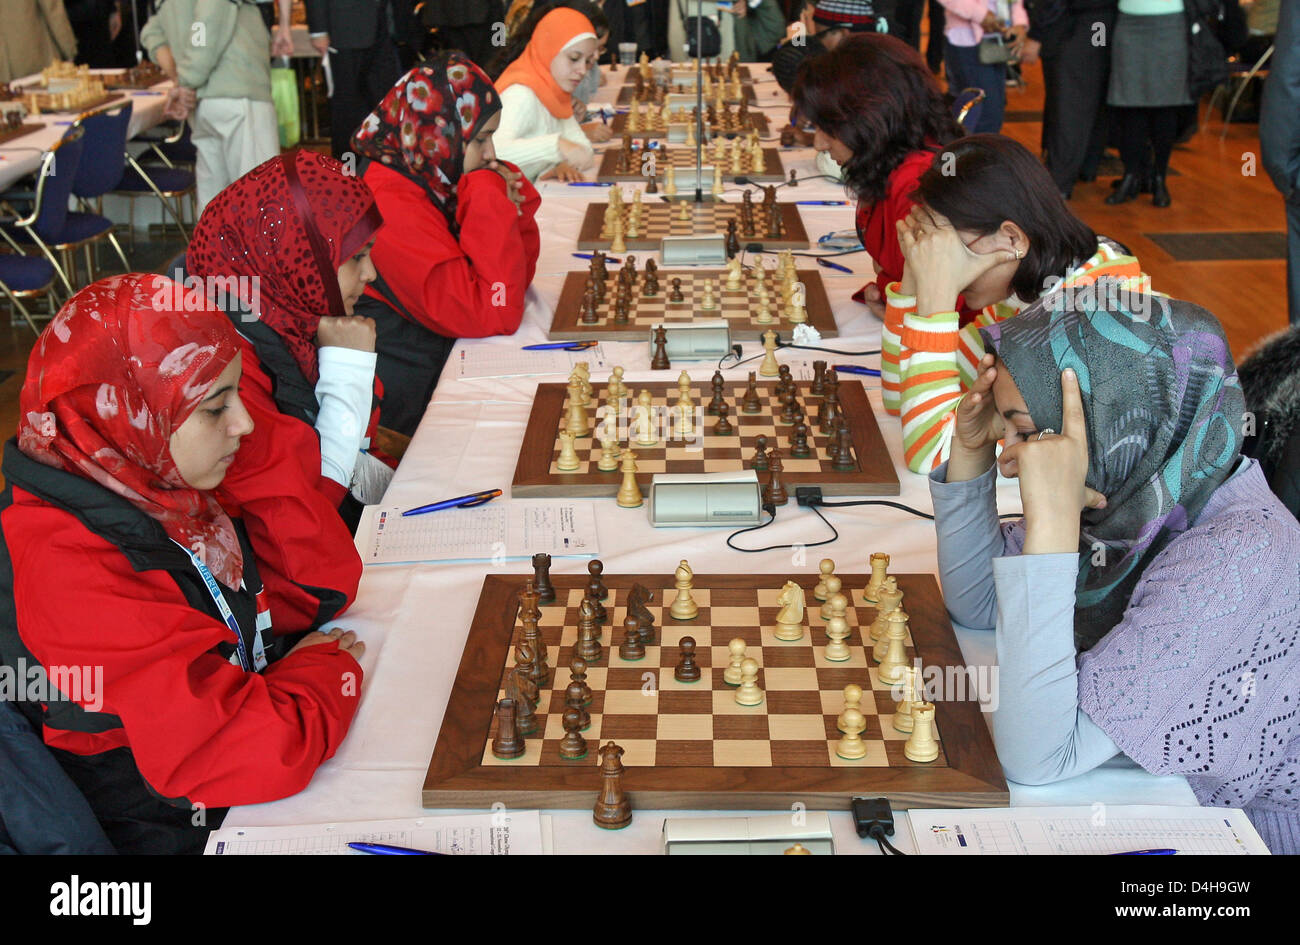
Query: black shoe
1144 183
1159 192
1126 189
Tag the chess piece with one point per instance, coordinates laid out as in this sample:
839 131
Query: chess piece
609 453
903 721
852 700
629 493
595 580
507 744
789 619
707 301
645 430
895 660
568 460
843 455
794 181
638 599
723 426
787 407
530 614
650 286
687 670
613 811
751 403
787 137
733 240
799 448
837 628
749 692
774 492
676 294
573 699
652 184
759 462
523 692
851 747
670 181
717 187
833 585
879 564
797 850
631 649
617 243
542 578
578 674
769 368
589 647
825 568
717 383
684 606
573 747
660 360
577 411
818 386
616 386
731 675
920 745
588 309
891 599
684 212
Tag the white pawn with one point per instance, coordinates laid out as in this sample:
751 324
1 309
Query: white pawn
615 387
827 568
833 585
852 699
732 674
837 651
851 747
684 606
629 493
921 746
708 303
568 460
609 455
749 693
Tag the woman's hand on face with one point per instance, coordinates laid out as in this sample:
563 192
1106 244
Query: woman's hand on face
349 331
1052 469
563 172
347 642
977 427
940 264
514 189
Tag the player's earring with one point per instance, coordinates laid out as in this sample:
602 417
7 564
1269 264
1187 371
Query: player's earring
1020 254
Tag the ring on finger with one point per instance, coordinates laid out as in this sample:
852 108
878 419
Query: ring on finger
1043 433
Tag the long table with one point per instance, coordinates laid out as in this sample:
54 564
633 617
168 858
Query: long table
414 619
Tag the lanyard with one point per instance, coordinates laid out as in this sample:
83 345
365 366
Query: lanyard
226 614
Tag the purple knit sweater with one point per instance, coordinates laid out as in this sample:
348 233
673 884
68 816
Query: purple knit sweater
1202 675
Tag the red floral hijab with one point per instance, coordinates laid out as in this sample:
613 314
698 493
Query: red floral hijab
283 230
117 371
421 127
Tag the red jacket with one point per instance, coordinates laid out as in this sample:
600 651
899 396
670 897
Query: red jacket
467 287
94 582
877 221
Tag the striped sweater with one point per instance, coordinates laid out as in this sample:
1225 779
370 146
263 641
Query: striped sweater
928 362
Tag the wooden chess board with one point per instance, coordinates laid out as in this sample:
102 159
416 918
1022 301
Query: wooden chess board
753 122
661 219
537 473
89 105
647 311
686 72
119 80
627 94
690 745
9 134
684 157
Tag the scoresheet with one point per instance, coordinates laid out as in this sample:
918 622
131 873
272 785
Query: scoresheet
495 834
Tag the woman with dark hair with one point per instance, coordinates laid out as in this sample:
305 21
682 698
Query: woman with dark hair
989 226
882 116
1147 603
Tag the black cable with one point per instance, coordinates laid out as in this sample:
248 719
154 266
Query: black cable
894 505
791 344
771 510
878 833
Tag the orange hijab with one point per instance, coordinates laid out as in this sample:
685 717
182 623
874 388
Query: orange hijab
558 29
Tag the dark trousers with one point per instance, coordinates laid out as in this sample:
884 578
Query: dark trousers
934 46
1076 77
1146 138
907 22
362 77
1293 257
965 71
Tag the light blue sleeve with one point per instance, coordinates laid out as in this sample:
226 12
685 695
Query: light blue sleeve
966 528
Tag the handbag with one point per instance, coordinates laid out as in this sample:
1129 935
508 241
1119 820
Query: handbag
993 50
707 32
284 95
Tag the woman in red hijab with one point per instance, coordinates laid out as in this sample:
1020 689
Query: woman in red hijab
178 690
538 131
285 251
459 245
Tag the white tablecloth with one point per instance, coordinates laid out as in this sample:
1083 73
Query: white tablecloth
414 619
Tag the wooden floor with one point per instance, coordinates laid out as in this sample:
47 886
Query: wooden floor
1219 187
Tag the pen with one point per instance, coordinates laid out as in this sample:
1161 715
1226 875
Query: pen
854 369
830 265
460 502
561 346
390 850
590 183
1155 852
609 259
821 203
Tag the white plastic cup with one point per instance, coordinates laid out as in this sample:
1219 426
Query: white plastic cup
627 53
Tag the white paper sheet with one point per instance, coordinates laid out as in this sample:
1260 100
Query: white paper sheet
1100 829
515 528
506 361
503 834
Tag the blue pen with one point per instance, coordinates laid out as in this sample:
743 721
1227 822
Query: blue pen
830 265
821 203
590 183
1156 852
854 369
561 346
473 500
609 259
388 849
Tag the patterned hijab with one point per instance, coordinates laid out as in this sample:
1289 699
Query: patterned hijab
1163 412
555 32
421 127
284 229
117 371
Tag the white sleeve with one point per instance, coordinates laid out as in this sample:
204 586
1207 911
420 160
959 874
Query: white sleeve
523 137
344 393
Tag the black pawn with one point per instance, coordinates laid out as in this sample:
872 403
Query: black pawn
751 402
507 743
687 669
676 294
759 463
631 649
542 579
596 583
578 674
787 407
573 747
799 449
573 699
723 427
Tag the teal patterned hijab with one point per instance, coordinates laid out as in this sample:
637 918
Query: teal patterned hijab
1163 412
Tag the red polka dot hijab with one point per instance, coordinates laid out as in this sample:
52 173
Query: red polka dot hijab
284 229
116 372
421 127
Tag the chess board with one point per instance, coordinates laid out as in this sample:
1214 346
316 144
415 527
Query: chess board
537 473
627 94
683 157
648 311
89 105
8 134
686 72
122 80
754 122
690 745
660 219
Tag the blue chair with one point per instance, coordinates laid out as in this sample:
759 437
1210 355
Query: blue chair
27 277
156 173
105 141
51 225
967 107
